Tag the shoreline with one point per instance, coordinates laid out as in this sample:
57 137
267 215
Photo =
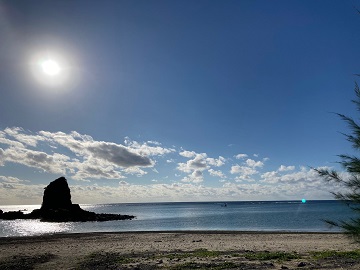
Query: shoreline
69 249
225 232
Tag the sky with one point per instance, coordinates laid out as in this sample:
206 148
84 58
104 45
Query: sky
160 101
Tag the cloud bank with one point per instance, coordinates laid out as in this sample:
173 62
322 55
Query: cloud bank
143 171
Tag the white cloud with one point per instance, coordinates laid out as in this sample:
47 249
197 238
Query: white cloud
195 177
217 173
216 162
5 141
20 135
94 159
241 156
243 170
269 175
179 191
304 176
197 163
135 171
286 168
55 163
2 157
188 154
81 157
145 149
10 179
252 163
154 143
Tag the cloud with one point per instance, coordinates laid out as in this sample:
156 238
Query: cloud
216 162
246 170
195 177
135 171
116 154
305 176
217 173
2 157
177 191
87 158
286 168
8 186
123 183
10 179
188 154
241 156
145 149
55 163
81 157
20 136
199 163
253 164
90 169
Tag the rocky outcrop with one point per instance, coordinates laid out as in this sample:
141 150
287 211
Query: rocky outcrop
57 207
57 195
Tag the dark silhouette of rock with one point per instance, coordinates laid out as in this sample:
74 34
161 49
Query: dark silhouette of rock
12 215
57 195
57 207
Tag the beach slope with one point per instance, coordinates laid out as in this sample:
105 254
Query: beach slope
180 250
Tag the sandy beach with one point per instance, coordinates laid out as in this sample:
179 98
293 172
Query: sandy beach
175 250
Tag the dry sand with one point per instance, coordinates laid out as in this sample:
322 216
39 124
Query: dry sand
71 249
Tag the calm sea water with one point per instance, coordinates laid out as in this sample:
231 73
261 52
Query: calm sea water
292 216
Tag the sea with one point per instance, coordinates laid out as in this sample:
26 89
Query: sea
249 216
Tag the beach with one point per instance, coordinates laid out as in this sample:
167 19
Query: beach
179 250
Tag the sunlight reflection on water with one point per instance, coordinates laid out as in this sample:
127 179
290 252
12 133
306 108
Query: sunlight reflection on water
32 227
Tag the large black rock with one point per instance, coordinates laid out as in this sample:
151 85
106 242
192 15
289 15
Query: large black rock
57 195
57 207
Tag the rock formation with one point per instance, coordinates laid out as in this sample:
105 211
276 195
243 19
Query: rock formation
57 195
57 207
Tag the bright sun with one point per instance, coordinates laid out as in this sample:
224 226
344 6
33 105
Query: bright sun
50 67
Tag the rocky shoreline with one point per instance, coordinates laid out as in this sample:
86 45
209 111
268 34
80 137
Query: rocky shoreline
76 214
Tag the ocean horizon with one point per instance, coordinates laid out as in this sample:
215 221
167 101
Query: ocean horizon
250 216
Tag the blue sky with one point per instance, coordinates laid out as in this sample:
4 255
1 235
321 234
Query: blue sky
174 100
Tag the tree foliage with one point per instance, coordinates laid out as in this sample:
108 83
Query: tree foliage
351 181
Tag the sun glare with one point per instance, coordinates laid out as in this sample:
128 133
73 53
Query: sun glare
50 67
